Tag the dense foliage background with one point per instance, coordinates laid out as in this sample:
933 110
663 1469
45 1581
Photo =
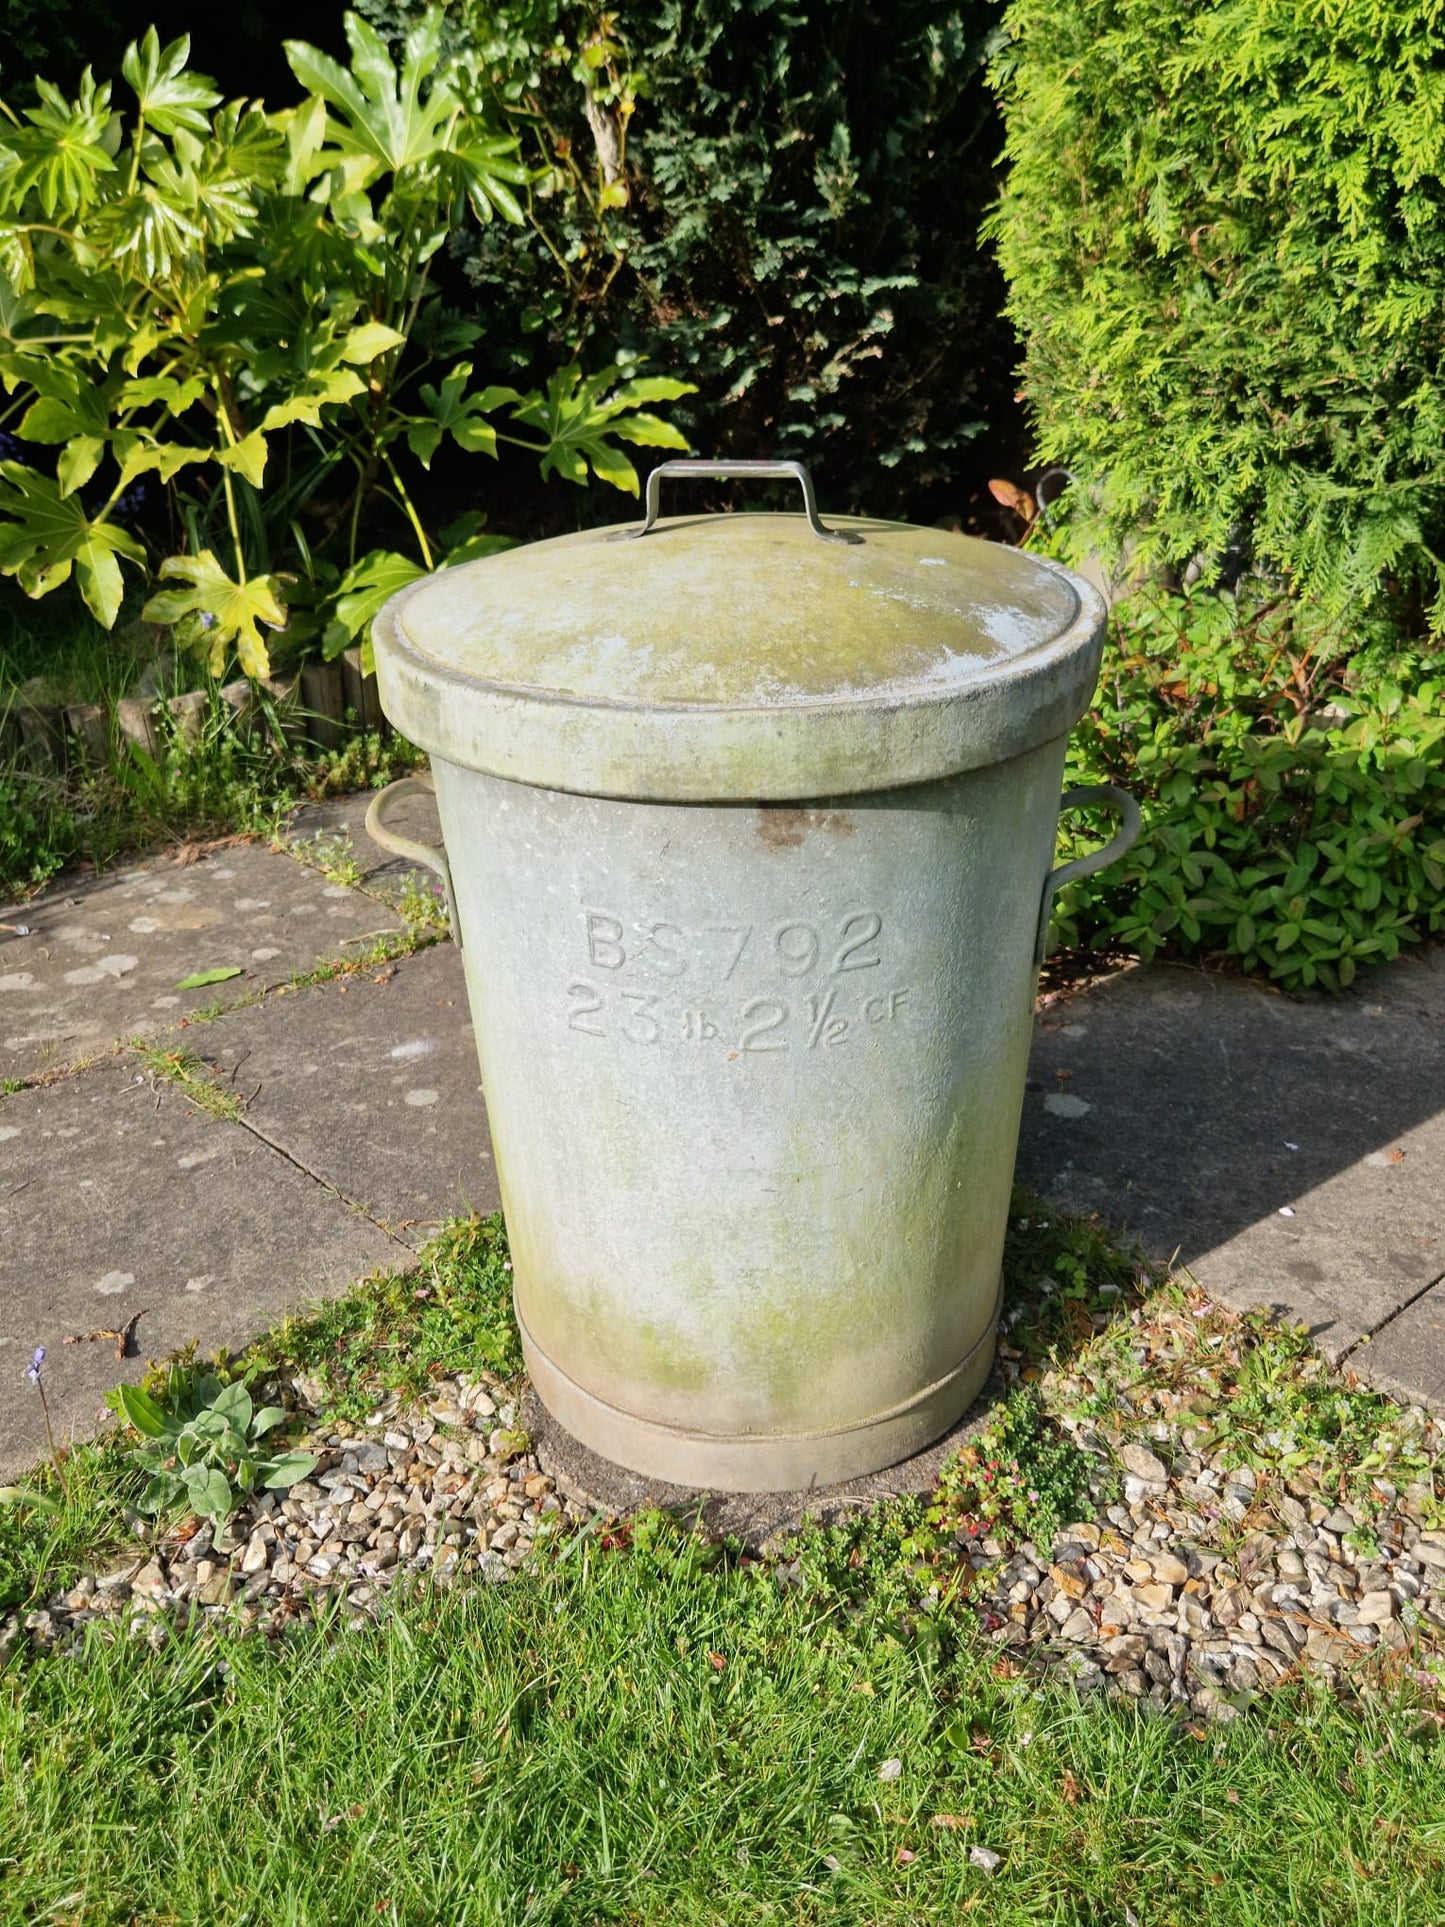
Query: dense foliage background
1223 228
1290 767
225 320
778 200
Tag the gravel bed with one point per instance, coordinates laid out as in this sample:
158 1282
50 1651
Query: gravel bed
447 1488
1197 1589
1203 1586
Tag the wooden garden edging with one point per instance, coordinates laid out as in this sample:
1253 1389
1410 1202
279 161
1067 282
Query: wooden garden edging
319 708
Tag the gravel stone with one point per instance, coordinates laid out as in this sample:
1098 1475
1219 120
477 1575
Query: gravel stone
1144 1464
1168 1569
1148 1601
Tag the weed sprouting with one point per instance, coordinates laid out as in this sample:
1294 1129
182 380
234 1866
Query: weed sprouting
192 1076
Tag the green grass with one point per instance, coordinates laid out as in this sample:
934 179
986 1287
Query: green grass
42 1549
218 784
401 1329
637 1736
644 1727
57 648
192 1077
334 856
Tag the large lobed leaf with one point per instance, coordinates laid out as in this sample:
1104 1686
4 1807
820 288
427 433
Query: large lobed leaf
578 415
61 154
451 411
44 535
169 97
216 611
377 111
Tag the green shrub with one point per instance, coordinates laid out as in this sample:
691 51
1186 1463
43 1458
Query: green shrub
1224 235
1292 784
778 200
236 308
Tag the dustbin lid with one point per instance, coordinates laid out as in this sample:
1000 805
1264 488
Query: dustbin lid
740 657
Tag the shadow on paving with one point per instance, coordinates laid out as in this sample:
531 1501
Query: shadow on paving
1289 1150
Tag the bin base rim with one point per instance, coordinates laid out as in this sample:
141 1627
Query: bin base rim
760 1461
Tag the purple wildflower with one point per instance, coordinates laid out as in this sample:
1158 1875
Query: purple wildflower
33 1373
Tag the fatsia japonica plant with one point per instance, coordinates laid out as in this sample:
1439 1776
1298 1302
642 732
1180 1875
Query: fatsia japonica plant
237 309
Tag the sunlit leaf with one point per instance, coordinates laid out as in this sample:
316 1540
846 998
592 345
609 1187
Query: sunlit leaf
247 457
61 154
323 391
169 97
453 412
366 585
289 1469
216 611
377 110
79 459
142 1411
362 345
577 416
198 979
138 453
177 396
44 535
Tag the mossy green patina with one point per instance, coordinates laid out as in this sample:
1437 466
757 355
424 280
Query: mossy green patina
609 619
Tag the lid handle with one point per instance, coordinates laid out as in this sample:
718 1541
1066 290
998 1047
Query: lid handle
741 471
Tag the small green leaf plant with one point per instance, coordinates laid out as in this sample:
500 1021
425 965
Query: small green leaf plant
238 308
1291 772
203 1444
1020 1478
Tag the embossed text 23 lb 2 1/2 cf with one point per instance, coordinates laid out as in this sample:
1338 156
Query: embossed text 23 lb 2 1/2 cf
719 984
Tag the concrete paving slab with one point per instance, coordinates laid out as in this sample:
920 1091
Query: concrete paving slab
1407 1357
117 1196
339 825
372 1085
1351 1253
104 955
1290 1151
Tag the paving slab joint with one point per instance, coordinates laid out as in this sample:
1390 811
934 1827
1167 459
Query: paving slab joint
1348 1355
352 1204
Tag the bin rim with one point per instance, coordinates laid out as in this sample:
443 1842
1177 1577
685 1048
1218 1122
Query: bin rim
954 699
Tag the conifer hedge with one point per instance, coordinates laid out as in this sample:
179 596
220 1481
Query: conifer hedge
1224 232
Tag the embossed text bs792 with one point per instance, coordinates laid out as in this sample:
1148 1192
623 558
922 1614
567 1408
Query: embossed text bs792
703 975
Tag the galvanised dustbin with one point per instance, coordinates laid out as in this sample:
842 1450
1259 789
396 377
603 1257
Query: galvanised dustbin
748 828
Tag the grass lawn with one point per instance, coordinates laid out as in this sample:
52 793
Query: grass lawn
642 1726
659 1734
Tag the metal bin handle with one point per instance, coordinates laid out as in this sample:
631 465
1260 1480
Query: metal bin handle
741 471
1130 825
430 855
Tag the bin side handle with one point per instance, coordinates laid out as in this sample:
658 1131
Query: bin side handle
431 856
1129 827
737 471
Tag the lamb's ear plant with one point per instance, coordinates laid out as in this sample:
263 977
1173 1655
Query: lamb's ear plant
202 1444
